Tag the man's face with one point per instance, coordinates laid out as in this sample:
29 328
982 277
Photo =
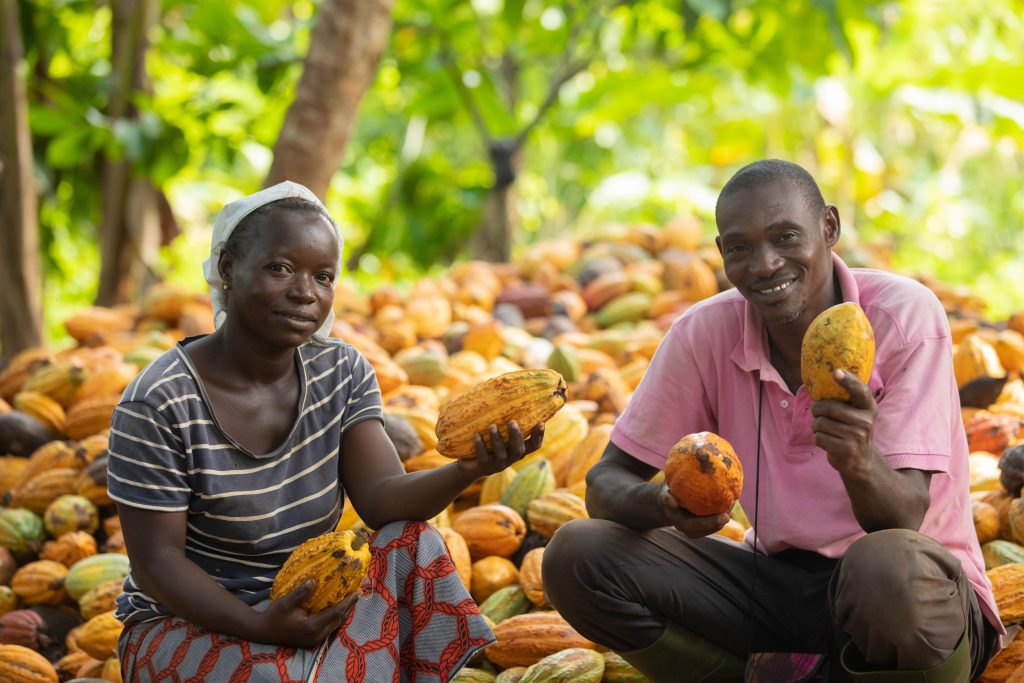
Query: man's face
777 251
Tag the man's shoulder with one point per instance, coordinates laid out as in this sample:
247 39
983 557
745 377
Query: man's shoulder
908 306
722 312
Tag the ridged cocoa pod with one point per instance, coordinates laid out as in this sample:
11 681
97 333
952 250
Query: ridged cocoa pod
99 636
491 530
18 663
528 638
40 583
527 396
1008 589
548 512
337 561
530 577
90 416
840 338
578 664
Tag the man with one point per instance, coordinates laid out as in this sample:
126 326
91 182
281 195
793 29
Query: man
862 523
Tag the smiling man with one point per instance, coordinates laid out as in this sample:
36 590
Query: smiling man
862 560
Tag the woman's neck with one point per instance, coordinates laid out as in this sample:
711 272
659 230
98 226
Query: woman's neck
236 358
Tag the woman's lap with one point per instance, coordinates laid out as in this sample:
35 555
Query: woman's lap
414 621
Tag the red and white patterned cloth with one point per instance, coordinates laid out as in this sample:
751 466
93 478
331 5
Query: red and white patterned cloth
414 622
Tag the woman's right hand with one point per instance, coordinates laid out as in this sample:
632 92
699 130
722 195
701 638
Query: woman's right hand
691 525
286 622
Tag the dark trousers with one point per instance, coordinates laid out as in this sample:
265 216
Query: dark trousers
898 595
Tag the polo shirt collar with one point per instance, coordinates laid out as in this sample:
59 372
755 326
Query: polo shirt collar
751 350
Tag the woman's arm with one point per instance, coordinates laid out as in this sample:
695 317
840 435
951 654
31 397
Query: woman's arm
156 548
381 490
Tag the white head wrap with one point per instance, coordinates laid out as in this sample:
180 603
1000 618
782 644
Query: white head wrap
229 218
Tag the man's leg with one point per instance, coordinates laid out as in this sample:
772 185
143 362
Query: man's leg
901 602
633 592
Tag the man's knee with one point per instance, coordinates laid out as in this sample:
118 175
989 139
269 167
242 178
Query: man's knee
575 553
900 592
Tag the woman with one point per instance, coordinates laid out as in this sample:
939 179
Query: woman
233 448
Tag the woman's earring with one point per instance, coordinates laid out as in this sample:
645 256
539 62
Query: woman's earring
225 286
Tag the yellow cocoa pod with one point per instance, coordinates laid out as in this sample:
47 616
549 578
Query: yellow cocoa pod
840 338
527 396
1008 589
336 560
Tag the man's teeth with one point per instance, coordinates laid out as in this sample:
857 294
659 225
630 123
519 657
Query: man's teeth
776 289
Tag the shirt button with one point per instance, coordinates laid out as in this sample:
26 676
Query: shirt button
784 403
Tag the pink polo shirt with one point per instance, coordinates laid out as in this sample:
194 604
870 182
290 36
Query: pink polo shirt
705 375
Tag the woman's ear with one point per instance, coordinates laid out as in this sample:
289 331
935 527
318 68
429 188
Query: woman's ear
224 265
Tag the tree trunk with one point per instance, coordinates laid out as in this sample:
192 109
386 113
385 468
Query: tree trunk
345 47
21 301
494 238
130 232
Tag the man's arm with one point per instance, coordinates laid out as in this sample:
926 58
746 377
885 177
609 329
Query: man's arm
882 498
619 489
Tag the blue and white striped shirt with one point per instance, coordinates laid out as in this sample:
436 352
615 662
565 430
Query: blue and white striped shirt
246 512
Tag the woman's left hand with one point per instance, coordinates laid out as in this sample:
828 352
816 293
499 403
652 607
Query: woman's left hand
501 454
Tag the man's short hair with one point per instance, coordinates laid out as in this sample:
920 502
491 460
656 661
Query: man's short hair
770 171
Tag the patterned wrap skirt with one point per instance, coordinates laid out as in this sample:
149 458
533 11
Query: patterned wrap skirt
414 622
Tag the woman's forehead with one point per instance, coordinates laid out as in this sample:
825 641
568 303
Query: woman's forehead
293 230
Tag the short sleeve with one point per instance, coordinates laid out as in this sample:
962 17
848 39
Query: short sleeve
364 401
669 402
917 411
147 466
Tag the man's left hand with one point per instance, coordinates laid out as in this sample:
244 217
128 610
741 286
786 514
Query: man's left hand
843 428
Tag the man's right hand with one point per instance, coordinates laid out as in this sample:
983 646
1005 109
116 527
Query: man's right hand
286 622
692 526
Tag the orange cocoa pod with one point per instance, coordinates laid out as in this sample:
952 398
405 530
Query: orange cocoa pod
704 474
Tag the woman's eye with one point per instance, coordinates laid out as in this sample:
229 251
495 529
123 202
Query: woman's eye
277 268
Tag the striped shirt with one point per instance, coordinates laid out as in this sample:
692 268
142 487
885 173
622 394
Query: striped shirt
246 512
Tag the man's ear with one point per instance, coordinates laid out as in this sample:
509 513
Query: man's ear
833 226
718 243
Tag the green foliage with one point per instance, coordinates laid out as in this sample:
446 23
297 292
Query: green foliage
909 112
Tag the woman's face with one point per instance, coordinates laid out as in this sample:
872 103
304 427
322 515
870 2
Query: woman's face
282 287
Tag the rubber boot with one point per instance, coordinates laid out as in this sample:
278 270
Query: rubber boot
851 668
681 655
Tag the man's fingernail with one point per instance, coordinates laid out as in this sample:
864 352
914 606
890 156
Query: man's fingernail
839 374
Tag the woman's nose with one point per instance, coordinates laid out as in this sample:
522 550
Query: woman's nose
302 288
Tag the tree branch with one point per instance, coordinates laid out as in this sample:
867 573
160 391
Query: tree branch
549 100
569 69
464 93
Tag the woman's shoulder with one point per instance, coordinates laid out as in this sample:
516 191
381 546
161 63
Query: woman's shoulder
327 352
165 377
325 357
